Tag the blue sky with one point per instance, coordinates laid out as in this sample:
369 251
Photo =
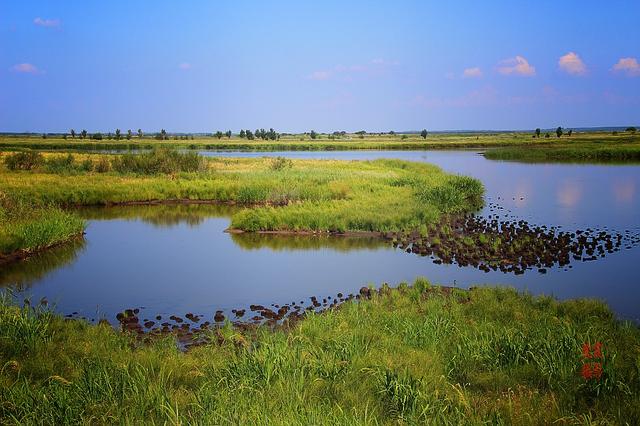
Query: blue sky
202 66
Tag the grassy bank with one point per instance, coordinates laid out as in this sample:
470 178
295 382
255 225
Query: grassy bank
322 143
413 355
304 195
26 227
621 150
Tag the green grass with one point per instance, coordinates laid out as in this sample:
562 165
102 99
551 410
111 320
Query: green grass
412 355
305 195
323 143
623 149
29 227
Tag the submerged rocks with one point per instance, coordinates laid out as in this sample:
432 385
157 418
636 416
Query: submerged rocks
490 244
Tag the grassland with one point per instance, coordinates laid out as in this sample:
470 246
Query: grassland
616 150
324 142
285 196
417 354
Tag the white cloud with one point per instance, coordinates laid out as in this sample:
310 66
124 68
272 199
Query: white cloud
516 66
50 23
628 66
26 68
185 66
572 64
474 72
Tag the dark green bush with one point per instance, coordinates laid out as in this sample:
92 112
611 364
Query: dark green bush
26 160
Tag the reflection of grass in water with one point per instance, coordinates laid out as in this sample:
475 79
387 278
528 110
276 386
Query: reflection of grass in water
160 215
23 274
252 241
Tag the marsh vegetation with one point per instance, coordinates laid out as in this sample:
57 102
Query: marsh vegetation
416 354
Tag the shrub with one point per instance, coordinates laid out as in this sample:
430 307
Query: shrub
60 164
26 160
281 163
161 160
103 165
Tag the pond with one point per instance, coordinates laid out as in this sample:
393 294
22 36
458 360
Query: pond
177 259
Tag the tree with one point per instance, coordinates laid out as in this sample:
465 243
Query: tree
44 136
242 134
162 135
97 136
73 133
547 135
84 134
632 130
559 131
570 132
129 134
117 134
392 133
424 133
538 132
250 135
361 133
140 133
218 134
313 134
228 134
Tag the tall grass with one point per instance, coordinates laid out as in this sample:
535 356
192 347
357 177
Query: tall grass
30 226
160 160
302 195
413 355
625 150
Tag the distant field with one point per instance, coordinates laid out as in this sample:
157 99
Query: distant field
323 142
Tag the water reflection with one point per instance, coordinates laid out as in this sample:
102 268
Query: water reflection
251 241
21 275
569 193
624 191
174 259
160 215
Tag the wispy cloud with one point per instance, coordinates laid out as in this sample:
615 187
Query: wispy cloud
516 66
49 23
319 75
185 66
26 68
572 64
488 96
474 72
628 66
348 72
484 96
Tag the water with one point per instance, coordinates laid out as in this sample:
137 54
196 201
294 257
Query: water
178 259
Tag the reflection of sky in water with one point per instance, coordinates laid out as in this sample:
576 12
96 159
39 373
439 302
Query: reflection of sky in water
177 263
624 191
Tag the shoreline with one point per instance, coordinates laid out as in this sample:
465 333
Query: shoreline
24 254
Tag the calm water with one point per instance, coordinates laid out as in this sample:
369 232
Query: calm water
177 259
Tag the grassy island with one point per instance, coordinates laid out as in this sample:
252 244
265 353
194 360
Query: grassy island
283 195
